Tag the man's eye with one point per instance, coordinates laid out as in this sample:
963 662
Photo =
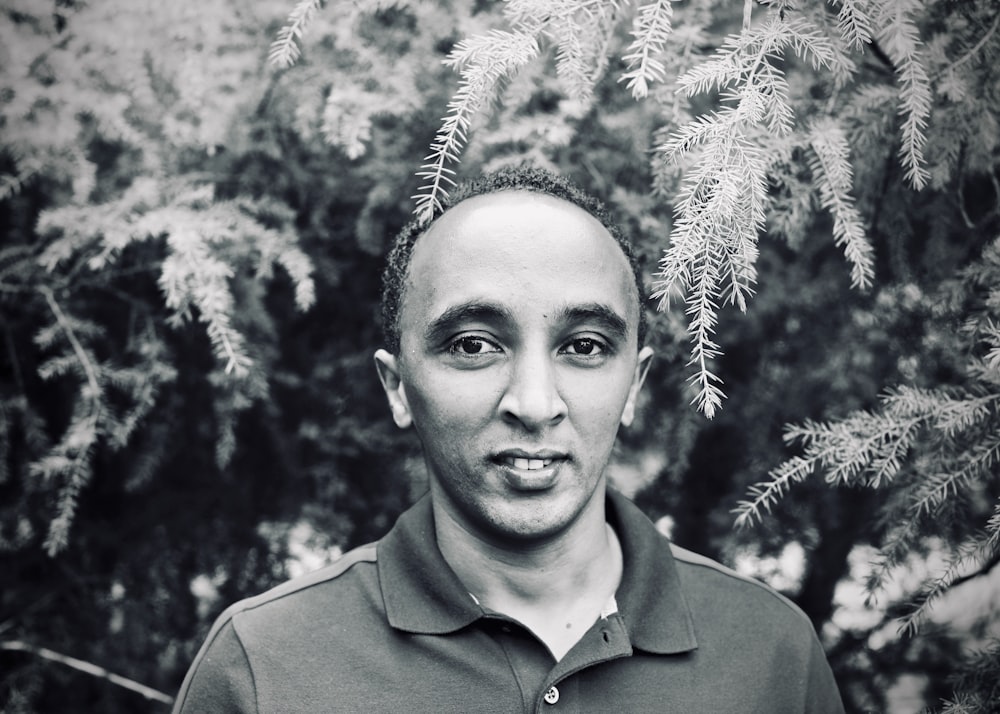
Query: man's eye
585 346
471 345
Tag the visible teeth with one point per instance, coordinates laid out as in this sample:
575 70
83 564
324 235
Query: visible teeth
529 464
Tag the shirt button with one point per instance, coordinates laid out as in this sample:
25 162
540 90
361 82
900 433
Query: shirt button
551 696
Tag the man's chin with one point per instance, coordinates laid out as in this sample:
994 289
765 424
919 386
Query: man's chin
538 517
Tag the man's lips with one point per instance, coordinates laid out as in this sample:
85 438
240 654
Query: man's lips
524 460
530 471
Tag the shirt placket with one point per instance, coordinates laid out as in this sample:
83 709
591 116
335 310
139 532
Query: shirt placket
606 640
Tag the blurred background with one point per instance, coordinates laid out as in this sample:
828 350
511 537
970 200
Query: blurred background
191 241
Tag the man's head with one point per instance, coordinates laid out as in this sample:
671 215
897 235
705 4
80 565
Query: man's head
516 358
508 179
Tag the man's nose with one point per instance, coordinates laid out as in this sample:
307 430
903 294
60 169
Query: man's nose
532 396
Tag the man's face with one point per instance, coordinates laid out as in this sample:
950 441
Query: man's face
518 361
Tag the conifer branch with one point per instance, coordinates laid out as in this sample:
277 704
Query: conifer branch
285 51
720 210
974 50
11 184
71 457
937 489
854 23
483 61
582 31
345 122
191 275
81 354
831 170
766 494
572 65
951 415
896 547
976 688
703 312
651 28
745 58
870 447
864 448
973 552
724 197
901 40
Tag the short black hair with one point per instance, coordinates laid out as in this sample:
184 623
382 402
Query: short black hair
520 178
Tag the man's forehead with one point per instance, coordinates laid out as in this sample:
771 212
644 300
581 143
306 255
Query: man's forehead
500 247
516 213
512 196
516 224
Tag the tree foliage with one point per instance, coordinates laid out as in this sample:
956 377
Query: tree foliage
936 451
168 210
67 96
722 203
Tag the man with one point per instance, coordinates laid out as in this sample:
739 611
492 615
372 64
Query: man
514 348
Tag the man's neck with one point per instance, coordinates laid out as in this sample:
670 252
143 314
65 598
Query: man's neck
556 588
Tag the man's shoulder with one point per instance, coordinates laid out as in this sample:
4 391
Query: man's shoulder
348 572
707 583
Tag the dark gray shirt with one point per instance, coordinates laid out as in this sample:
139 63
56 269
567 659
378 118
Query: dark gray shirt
389 628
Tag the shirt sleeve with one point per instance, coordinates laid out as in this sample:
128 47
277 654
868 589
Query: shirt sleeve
822 695
220 678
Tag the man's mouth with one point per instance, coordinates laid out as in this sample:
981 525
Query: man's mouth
526 464
530 471
529 460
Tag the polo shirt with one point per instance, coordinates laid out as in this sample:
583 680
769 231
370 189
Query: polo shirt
390 628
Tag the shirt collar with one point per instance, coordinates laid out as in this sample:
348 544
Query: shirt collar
423 595
421 592
650 597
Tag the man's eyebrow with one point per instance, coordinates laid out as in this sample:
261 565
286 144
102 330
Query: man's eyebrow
607 318
448 322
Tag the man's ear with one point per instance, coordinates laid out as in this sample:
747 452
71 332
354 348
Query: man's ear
388 373
641 368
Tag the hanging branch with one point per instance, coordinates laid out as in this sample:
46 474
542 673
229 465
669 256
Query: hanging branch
721 207
71 458
900 38
831 168
483 61
285 49
651 28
